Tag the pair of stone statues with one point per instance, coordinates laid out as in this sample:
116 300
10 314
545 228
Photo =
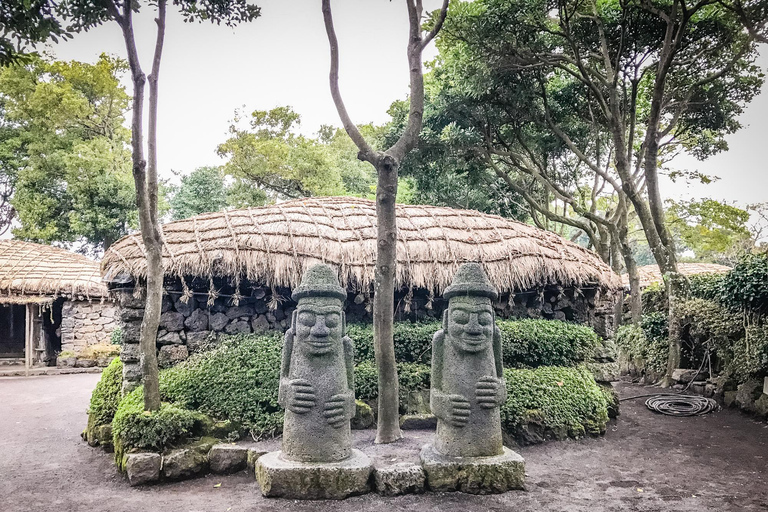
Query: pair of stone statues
317 385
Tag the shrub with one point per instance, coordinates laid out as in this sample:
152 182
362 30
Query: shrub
533 343
748 356
413 341
654 299
411 376
562 401
656 334
238 381
631 341
745 287
132 427
526 343
106 395
705 286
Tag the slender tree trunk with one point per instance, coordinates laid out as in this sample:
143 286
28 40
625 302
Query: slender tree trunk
388 426
145 180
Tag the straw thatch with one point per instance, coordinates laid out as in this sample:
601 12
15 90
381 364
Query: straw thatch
650 274
34 273
274 244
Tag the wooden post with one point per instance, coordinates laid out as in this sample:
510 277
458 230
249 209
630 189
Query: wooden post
28 339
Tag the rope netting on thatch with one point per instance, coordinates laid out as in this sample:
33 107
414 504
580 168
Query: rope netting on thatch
275 244
29 271
650 274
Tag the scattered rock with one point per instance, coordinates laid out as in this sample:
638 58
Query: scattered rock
761 406
184 463
401 478
363 416
684 375
747 393
729 398
170 355
239 311
253 456
143 468
185 308
418 422
170 338
85 363
227 458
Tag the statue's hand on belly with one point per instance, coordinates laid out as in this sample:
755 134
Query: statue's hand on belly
491 392
339 408
301 396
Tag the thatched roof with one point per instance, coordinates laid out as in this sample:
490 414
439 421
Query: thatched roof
35 273
650 274
275 244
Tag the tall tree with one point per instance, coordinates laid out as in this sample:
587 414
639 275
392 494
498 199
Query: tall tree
85 15
386 163
660 76
24 24
64 155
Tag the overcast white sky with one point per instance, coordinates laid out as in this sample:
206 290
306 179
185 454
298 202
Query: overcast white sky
282 59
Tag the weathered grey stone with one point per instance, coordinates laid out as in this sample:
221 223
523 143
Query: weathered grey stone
316 373
85 363
279 314
237 327
167 304
260 324
127 300
197 321
169 338
170 355
131 332
143 468
604 372
468 386
363 416
197 340
218 321
185 308
418 422
765 385
685 375
227 458
283 478
184 463
261 307
253 456
474 475
172 321
401 478
418 402
729 398
747 393
239 311
131 371
259 293
761 406
130 314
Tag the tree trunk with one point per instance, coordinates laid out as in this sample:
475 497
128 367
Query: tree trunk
388 425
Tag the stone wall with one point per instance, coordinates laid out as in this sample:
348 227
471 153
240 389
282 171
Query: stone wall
85 323
186 326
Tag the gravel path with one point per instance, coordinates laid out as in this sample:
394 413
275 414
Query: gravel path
646 462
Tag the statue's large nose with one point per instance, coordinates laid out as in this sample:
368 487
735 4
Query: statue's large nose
473 326
319 330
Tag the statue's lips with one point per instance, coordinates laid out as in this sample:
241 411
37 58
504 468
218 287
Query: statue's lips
474 341
319 343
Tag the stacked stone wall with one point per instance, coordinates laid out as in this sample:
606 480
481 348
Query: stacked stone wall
86 323
186 326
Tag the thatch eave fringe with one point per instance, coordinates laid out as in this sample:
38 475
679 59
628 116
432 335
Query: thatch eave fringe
275 244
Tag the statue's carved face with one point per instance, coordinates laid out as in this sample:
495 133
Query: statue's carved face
318 324
470 323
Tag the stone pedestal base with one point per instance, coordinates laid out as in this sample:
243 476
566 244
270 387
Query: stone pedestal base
474 475
313 480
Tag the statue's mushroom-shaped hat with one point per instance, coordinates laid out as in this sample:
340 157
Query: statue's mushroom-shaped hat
470 280
319 281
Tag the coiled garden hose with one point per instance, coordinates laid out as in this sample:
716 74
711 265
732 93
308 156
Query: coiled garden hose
673 404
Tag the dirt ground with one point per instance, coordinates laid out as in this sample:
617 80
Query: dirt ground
645 462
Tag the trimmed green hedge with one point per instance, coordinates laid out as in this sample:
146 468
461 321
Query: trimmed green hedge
237 381
132 427
526 343
560 402
106 395
411 377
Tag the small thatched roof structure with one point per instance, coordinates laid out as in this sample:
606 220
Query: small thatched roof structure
650 274
35 273
275 244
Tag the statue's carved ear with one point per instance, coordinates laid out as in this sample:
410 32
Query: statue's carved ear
343 323
445 320
293 318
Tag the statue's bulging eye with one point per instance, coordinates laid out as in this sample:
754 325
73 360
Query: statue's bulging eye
332 320
485 319
307 318
460 317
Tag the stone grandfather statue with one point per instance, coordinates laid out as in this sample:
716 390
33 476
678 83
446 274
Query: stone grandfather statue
316 377
467 381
